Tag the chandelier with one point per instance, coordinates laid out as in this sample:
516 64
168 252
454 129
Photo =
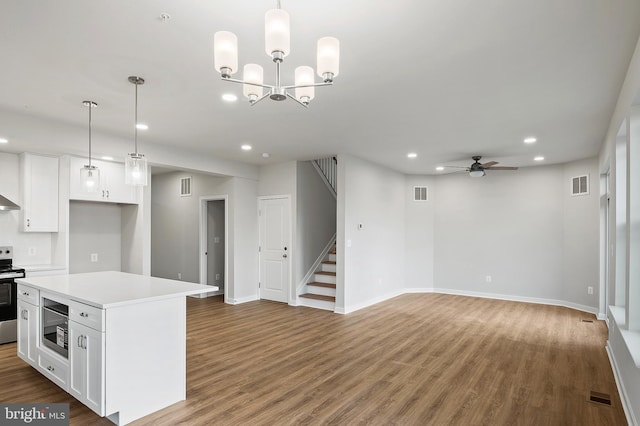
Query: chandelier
277 46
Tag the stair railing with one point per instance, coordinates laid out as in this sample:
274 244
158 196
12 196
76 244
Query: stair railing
328 169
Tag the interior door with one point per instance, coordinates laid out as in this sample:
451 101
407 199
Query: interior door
275 250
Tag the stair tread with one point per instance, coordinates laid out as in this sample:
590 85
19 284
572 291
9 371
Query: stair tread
328 262
318 297
333 251
326 273
318 284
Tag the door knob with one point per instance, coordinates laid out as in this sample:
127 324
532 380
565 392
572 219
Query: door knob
284 255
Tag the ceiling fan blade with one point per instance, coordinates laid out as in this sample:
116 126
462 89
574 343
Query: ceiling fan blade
501 168
489 164
455 167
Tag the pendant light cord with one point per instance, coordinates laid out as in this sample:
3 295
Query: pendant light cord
90 106
135 125
279 7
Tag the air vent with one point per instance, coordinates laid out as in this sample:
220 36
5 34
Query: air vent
420 193
580 185
599 398
185 187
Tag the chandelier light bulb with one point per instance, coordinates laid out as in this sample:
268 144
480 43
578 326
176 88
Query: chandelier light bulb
304 76
276 32
328 58
225 53
252 73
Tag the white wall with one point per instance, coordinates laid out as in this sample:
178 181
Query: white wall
316 218
507 225
581 248
419 234
10 232
373 259
94 228
175 233
175 230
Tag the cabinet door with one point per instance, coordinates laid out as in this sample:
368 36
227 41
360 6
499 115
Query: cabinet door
86 355
39 193
112 187
28 332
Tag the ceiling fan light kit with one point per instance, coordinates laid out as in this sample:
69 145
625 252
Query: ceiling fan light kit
277 46
476 169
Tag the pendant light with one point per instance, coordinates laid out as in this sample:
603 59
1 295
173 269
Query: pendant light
135 166
90 174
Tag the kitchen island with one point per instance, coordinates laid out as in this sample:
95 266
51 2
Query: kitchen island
113 340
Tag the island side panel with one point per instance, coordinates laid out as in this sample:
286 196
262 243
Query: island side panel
145 358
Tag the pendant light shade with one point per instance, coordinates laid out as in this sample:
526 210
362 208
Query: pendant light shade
253 73
225 52
276 32
135 165
90 174
328 58
304 77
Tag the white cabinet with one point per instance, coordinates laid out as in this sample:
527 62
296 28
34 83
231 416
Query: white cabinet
112 187
86 358
28 332
39 188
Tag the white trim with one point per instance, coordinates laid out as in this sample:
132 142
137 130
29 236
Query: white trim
290 244
312 270
203 242
540 301
241 300
620 385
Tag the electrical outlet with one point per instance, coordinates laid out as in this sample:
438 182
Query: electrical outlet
217 277
590 290
216 240
488 278
32 251
94 257
179 275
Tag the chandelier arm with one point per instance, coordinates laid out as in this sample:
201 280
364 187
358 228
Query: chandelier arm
234 80
259 99
290 96
308 85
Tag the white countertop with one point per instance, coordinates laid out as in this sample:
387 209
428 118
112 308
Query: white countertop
110 289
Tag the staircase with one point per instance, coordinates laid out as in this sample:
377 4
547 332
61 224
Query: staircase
321 290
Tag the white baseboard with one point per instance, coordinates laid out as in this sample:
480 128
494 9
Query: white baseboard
512 298
620 385
241 300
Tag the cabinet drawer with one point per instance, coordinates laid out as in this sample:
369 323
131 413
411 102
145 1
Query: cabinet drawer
29 294
87 315
54 369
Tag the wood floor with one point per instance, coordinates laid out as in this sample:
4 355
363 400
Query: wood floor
414 360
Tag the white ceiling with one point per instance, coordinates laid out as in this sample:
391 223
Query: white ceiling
445 79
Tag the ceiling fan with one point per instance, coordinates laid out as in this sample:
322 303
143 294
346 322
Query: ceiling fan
478 170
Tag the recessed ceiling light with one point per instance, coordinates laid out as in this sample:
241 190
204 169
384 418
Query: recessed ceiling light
539 158
142 126
412 155
229 97
439 168
107 157
246 147
530 140
3 140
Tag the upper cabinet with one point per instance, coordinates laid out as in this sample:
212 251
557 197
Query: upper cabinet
112 187
39 188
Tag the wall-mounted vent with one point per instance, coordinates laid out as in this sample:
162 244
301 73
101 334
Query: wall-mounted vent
580 185
420 193
185 187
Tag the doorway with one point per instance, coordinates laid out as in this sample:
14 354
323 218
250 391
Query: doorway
214 243
274 214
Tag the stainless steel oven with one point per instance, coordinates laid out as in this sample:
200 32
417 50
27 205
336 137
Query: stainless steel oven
8 295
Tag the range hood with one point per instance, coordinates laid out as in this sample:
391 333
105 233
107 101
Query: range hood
6 204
